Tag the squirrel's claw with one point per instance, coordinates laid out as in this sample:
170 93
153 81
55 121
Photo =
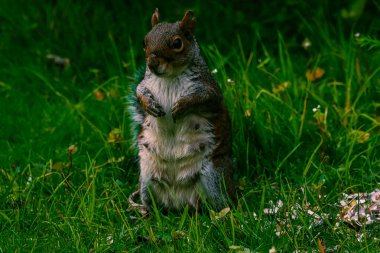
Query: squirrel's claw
149 104
155 110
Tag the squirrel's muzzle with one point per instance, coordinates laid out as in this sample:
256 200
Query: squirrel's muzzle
156 64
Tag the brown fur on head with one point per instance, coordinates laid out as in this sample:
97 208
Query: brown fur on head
169 47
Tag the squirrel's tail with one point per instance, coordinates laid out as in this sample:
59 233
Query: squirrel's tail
133 109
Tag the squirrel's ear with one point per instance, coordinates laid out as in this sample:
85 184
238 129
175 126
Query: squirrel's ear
187 23
155 17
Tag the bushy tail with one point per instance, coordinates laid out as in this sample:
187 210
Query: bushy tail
134 110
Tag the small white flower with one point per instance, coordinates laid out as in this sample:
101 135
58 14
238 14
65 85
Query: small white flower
273 250
359 237
357 35
315 109
109 239
306 43
214 71
267 211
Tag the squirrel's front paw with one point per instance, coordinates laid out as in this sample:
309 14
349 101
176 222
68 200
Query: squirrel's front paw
148 103
155 109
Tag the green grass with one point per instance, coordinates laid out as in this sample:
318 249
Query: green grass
51 201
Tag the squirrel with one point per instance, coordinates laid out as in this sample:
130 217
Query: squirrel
183 125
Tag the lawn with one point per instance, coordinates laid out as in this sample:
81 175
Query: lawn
301 80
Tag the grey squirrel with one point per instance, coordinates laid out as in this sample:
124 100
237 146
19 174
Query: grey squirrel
184 129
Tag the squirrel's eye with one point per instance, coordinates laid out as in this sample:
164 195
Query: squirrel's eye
177 44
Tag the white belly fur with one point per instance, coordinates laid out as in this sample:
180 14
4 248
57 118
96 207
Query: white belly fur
174 152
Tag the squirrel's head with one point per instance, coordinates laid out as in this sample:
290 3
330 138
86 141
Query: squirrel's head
170 47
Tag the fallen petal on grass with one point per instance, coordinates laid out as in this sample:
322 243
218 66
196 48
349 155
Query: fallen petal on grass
219 215
360 208
313 75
